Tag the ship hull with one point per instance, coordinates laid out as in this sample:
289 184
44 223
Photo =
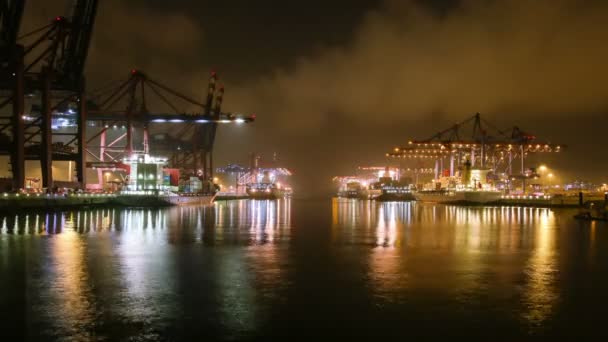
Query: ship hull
458 197
162 201
398 197
191 200
264 195
354 194
140 201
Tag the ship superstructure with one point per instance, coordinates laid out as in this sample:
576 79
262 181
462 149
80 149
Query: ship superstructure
150 183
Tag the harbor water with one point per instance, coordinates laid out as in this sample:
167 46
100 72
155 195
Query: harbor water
243 270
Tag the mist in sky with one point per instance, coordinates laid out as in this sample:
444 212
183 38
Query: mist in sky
406 62
410 71
399 70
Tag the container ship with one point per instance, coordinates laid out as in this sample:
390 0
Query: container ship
156 199
149 184
459 196
265 191
390 187
266 186
376 183
470 188
354 189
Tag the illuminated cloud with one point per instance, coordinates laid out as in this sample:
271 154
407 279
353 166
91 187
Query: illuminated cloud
541 57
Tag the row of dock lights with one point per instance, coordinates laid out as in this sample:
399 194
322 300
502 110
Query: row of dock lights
422 156
145 158
6 194
198 121
256 190
537 197
433 146
138 192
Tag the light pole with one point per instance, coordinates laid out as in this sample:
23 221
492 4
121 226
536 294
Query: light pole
107 174
541 171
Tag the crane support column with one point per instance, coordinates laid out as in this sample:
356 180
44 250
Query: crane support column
205 174
521 152
211 165
46 149
102 155
18 150
81 137
451 165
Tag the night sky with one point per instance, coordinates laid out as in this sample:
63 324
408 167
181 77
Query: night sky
336 84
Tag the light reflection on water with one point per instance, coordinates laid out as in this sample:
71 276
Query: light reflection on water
108 269
233 268
466 253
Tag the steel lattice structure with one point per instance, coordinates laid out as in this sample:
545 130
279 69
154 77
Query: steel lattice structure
478 141
46 66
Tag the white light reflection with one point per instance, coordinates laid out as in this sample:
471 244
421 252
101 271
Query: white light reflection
541 294
266 220
386 230
386 227
251 276
144 256
65 285
388 258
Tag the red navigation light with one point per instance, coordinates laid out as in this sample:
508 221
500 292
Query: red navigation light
133 71
253 116
213 73
58 18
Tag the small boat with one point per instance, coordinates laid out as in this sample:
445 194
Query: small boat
587 216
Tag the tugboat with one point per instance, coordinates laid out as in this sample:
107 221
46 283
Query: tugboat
594 211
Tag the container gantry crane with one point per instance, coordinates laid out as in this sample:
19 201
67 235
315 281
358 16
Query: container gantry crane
48 65
485 147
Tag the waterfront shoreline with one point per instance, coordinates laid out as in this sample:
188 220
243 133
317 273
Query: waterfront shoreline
62 202
500 203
